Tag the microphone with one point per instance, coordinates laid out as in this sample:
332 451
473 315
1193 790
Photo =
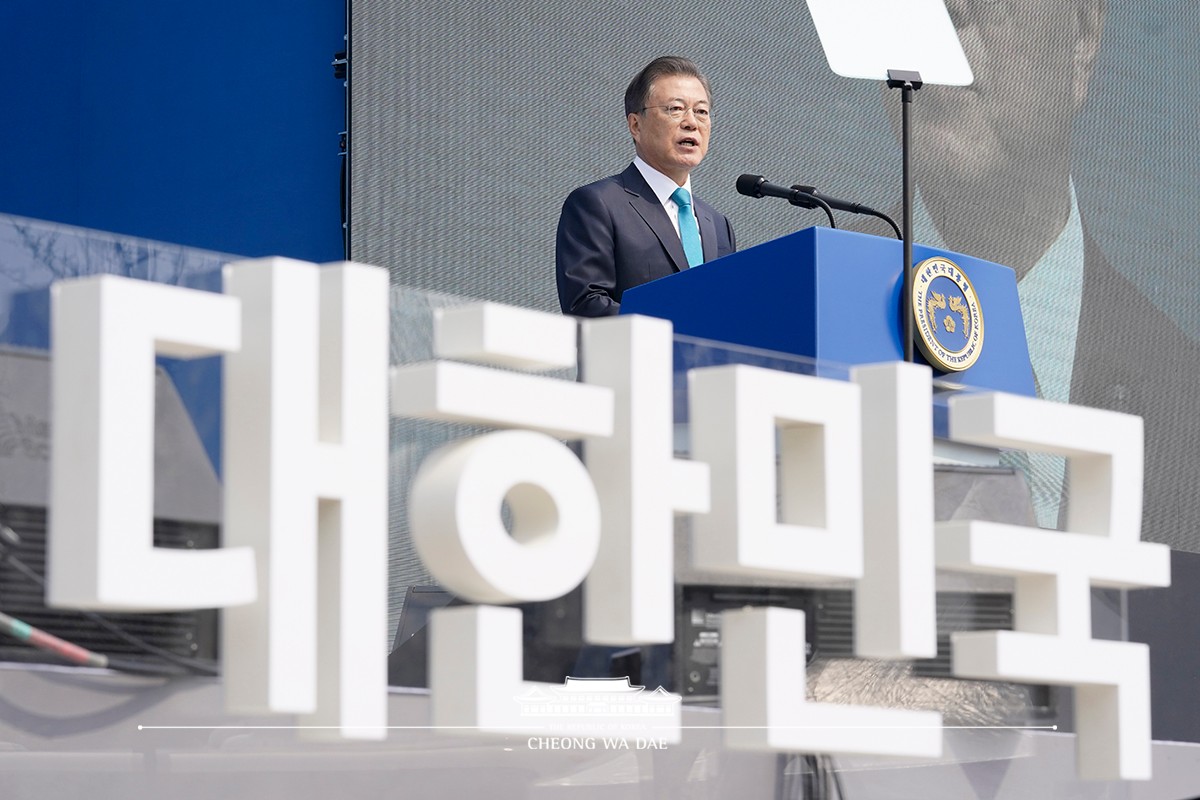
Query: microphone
840 205
846 205
758 186
808 197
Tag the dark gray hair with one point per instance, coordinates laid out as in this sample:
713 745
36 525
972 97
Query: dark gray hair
664 66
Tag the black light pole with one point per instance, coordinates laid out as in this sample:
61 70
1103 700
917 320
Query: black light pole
907 82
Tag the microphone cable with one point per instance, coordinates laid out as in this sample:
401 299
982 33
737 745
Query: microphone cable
853 208
82 656
814 200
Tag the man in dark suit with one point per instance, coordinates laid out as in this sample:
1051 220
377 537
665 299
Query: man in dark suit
632 228
1131 357
994 176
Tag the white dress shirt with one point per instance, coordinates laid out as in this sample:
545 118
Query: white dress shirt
663 188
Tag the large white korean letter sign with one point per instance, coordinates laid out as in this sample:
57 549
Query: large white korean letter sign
815 531
630 592
457 498
1051 641
306 432
105 333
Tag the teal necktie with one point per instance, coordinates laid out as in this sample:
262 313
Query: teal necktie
689 232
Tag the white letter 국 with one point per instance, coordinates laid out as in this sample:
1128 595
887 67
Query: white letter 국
1051 641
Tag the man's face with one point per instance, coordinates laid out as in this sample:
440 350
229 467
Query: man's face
1032 60
673 147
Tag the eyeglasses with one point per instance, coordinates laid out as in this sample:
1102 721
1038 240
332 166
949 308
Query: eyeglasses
677 111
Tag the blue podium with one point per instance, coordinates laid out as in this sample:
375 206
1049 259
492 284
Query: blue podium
834 296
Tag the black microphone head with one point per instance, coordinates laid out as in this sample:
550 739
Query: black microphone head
750 185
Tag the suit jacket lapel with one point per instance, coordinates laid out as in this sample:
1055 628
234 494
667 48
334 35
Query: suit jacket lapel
708 232
646 204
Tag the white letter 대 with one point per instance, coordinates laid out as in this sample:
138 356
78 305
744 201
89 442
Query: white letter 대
101 554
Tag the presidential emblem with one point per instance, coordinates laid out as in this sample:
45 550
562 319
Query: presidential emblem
947 315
